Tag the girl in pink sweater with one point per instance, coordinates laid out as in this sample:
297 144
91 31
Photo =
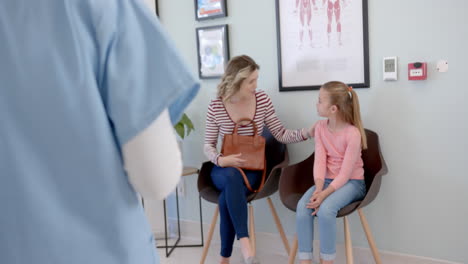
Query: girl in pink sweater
338 170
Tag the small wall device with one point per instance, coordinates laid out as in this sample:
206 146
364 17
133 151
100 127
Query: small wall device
417 71
390 69
442 66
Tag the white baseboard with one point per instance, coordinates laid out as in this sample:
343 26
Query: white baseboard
272 243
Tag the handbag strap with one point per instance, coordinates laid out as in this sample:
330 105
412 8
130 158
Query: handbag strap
247 183
245 119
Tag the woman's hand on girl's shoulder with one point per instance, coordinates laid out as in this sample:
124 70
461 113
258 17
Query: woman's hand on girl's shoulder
311 130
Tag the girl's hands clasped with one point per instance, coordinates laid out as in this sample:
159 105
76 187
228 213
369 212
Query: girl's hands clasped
316 200
318 197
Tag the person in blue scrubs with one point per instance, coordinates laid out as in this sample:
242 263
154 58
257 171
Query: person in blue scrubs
79 79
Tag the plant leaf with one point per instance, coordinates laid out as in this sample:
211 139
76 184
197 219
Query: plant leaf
184 126
179 128
189 123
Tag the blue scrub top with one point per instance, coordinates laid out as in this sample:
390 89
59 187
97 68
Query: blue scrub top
78 79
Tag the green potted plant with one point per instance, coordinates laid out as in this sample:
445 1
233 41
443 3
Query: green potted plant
184 126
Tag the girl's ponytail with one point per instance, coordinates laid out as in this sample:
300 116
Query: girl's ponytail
357 121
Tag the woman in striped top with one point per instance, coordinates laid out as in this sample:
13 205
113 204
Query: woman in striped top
238 99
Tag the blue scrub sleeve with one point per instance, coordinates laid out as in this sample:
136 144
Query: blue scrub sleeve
142 72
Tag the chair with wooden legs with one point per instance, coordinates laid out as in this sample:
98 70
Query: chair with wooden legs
276 155
298 178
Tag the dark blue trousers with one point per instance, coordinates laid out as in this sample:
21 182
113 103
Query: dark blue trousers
233 204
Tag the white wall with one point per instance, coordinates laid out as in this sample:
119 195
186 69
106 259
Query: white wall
422 206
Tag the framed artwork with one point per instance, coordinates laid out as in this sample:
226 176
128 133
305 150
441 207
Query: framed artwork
213 51
321 41
208 9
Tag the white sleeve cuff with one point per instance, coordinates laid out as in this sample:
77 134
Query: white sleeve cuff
152 159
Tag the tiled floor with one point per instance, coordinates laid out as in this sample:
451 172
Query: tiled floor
193 255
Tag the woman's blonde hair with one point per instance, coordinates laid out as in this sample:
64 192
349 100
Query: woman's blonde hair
237 70
346 99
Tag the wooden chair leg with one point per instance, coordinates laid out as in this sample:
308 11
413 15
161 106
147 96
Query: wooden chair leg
348 244
252 229
370 238
293 251
210 235
279 225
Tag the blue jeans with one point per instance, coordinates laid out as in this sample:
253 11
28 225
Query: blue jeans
233 204
353 190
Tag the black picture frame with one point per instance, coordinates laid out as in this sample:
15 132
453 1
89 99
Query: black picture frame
210 9
156 7
212 50
327 45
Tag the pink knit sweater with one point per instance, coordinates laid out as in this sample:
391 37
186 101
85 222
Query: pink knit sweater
337 154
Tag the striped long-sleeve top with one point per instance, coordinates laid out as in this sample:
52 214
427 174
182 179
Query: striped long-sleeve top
219 123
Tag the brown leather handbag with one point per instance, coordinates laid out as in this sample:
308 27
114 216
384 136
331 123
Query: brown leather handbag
252 149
